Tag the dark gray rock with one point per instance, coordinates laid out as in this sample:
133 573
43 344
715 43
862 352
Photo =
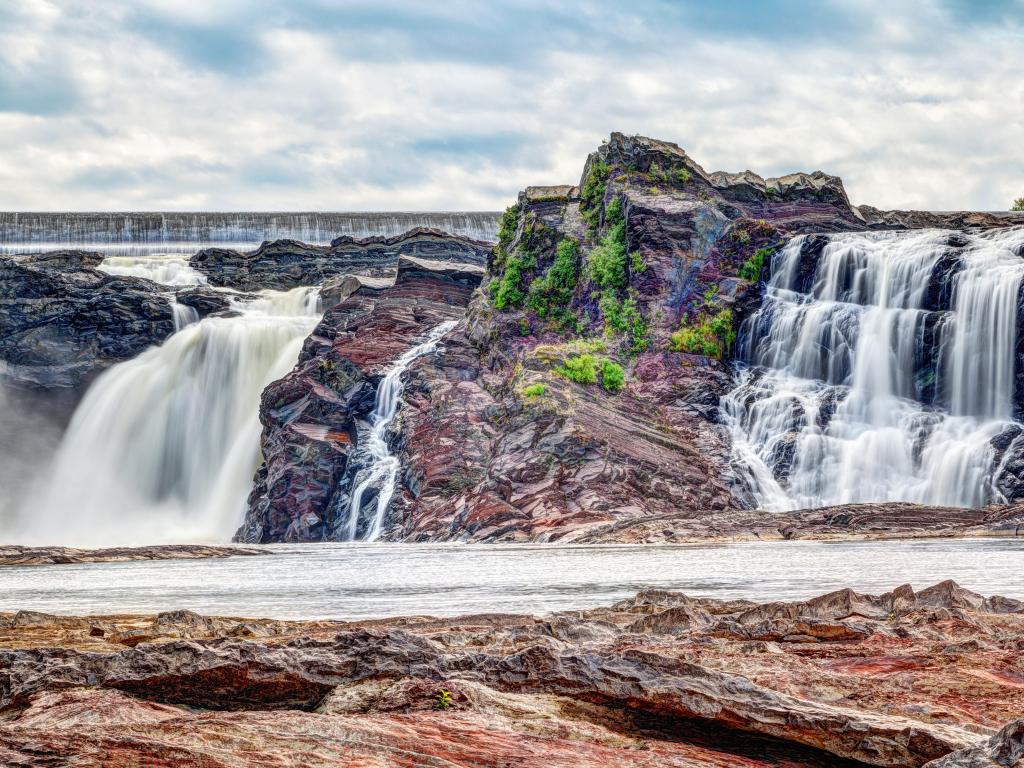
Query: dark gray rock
62 320
286 264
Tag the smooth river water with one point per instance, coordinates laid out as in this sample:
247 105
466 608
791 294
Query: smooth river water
355 581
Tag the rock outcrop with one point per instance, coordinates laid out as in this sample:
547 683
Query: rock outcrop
578 401
1004 750
286 264
659 679
311 417
12 554
62 320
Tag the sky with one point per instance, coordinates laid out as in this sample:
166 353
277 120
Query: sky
412 105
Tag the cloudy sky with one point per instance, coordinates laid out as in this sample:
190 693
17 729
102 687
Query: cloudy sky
409 105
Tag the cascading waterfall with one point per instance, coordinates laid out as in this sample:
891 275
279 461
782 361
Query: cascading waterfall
882 374
167 268
382 471
163 447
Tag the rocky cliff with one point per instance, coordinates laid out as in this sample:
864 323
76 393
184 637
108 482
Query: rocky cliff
578 400
62 320
311 418
285 264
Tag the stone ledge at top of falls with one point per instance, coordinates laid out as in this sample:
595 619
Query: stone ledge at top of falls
286 264
310 417
62 320
659 678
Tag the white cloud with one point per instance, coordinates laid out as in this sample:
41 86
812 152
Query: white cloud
137 106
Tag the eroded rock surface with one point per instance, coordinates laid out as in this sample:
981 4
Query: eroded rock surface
662 678
311 417
62 320
285 264
12 554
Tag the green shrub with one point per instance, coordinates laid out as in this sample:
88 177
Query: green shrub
637 263
713 336
607 260
509 294
656 174
592 194
580 368
612 375
443 699
534 390
682 175
507 226
556 287
1018 204
743 236
753 267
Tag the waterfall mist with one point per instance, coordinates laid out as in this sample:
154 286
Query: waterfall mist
163 447
882 372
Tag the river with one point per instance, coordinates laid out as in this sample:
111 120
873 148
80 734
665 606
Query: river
361 581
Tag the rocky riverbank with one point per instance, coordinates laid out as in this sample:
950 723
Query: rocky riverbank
18 555
661 679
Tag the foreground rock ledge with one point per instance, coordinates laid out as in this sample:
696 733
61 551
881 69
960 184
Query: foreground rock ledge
13 554
660 679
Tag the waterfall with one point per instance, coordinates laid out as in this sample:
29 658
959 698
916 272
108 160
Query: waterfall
137 234
382 471
167 268
882 372
163 447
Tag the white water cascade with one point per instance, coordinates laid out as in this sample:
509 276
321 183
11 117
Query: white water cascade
883 373
168 268
382 471
163 447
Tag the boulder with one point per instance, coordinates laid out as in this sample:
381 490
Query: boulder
64 320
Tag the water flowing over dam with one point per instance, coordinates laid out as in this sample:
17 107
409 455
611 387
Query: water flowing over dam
133 234
881 367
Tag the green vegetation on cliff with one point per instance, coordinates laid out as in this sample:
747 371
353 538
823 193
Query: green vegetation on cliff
753 267
592 194
587 369
607 266
1018 204
550 295
711 335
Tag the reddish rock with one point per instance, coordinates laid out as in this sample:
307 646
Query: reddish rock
659 679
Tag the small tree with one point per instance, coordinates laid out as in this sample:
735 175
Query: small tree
1018 204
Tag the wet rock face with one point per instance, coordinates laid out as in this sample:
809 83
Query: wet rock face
64 320
286 264
658 679
311 417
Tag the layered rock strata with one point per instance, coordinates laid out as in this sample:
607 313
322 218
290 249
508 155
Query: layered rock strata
311 417
286 264
62 320
660 679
